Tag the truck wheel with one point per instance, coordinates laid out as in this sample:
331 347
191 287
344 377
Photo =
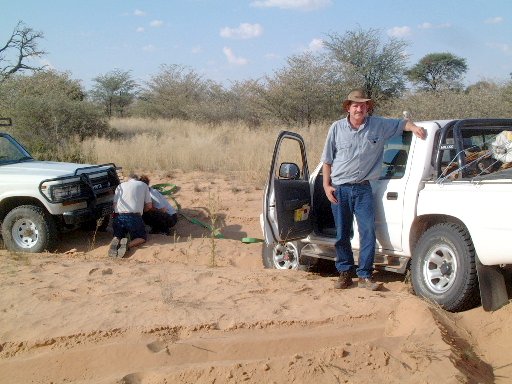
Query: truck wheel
283 256
443 268
28 228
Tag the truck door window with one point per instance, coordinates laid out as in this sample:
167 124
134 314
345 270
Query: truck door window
290 153
396 152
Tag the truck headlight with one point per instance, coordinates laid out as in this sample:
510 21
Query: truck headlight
65 191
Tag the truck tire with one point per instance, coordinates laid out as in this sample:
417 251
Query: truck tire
29 228
285 256
443 268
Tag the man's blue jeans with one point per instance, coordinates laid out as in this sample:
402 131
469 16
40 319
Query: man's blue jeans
354 200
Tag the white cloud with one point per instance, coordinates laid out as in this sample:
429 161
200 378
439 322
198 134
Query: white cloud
305 5
156 23
494 20
149 48
316 45
428 25
197 49
503 47
138 12
244 31
140 29
232 59
399 31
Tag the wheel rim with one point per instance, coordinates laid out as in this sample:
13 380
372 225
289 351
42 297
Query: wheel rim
440 269
25 233
285 256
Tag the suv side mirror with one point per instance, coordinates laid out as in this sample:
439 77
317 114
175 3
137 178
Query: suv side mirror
289 171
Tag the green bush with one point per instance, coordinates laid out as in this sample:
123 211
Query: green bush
50 115
489 100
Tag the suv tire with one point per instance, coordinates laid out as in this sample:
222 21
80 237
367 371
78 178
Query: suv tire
29 228
285 256
443 267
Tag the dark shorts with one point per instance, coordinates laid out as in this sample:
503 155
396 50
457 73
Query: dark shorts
132 224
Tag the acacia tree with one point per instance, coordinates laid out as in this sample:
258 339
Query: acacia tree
115 90
438 71
364 61
300 93
175 92
21 46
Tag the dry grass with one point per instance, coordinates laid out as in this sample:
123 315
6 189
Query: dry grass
167 145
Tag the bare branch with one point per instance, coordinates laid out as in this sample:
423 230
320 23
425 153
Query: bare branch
21 46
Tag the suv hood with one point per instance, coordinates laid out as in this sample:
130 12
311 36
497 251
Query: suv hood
42 169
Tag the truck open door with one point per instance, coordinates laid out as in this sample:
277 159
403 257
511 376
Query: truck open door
287 196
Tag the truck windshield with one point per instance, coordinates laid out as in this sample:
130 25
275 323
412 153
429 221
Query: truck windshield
11 151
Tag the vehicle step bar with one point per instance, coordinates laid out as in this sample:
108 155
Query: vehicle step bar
396 264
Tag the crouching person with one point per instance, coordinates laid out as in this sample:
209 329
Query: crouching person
162 217
131 199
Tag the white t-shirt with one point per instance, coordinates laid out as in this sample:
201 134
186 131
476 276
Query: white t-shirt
159 201
131 196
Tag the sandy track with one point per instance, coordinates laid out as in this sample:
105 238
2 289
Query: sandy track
165 315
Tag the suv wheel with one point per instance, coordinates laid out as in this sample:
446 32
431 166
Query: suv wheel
443 267
285 256
28 228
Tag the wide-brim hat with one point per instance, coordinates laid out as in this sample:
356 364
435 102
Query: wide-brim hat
358 96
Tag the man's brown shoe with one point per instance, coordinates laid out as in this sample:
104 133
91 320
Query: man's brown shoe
344 281
368 283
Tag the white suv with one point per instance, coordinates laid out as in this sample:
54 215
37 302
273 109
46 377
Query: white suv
39 199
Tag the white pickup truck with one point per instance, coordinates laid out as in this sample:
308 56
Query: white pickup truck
40 199
442 211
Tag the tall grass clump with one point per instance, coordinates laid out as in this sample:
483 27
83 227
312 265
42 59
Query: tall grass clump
190 146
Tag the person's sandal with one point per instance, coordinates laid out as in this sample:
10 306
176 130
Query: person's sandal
344 281
123 247
112 249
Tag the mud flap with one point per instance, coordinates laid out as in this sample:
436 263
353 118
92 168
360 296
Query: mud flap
493 290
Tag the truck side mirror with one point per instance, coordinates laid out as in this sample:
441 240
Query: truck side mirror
289 171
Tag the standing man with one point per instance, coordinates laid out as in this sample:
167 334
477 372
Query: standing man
131 199
352 157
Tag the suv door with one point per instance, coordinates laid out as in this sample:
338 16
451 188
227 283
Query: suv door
287 197
389 193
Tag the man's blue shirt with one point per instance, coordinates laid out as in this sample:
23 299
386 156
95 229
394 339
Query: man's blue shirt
356 155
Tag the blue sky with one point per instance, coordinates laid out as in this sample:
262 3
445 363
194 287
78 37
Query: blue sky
246 39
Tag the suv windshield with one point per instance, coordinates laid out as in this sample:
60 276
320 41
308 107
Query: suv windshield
11 151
